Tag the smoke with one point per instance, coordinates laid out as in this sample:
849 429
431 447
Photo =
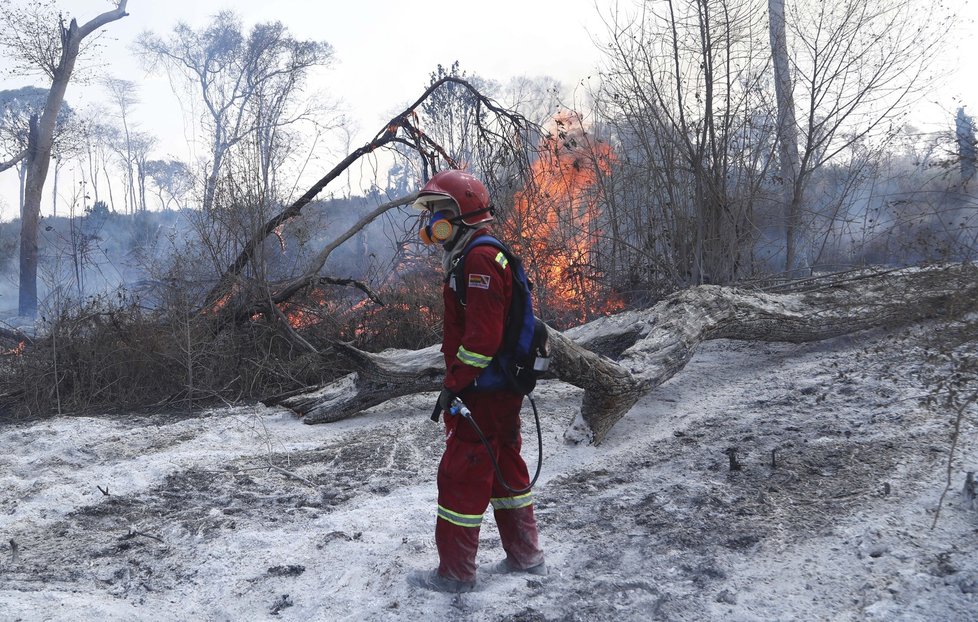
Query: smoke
102 252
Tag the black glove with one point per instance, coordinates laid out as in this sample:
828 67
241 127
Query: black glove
445 399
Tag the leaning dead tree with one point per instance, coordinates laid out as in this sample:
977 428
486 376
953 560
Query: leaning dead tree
52 51
620 358
505 130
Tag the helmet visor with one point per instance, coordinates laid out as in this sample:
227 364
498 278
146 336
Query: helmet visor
436 203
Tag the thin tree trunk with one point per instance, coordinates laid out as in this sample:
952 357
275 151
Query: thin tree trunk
787 131
54 189
92 172
22 179
39 151
108 186
29 219
210 182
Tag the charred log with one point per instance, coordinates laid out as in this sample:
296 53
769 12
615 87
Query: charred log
376 378
654 344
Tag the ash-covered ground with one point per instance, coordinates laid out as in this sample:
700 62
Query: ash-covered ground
247 514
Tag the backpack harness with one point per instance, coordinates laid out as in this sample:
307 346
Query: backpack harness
523 356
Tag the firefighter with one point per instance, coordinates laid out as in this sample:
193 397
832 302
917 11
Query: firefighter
456 206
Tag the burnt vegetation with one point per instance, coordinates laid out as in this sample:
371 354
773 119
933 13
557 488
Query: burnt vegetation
171 341
670 219
677 178
245 308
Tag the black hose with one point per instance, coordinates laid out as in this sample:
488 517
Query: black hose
499 474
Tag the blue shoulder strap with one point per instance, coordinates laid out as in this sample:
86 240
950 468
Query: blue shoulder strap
485 238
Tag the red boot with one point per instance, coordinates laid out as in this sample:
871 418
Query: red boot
518 532
457 548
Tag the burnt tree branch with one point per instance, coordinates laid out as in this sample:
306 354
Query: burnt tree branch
284 291
13 161
401 129
363 287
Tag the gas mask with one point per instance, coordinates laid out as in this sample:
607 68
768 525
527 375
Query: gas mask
439 228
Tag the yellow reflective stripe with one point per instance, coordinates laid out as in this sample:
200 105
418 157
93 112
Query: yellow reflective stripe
512 503
501 259
473 358
462 520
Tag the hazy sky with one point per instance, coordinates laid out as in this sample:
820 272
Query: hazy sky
385 51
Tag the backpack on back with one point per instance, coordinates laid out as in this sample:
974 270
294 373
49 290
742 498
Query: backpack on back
523 355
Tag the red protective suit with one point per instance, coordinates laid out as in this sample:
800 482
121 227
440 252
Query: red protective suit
467 482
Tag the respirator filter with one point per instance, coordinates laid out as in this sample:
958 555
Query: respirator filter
438 230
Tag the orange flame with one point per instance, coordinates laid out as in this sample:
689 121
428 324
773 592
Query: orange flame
308 314
558 211
220 303
15 351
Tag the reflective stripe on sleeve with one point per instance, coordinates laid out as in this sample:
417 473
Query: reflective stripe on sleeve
501 259
462 520
512 503
473 358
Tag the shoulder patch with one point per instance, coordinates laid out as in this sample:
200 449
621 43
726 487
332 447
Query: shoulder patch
480 281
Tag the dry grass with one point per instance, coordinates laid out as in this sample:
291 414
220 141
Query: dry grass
117 356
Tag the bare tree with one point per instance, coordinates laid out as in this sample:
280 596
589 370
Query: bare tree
538 99
787 128
248 82
37 47
173 180
99 138
687 90
448 116
142 144
682 90
855 67
67 147
124 94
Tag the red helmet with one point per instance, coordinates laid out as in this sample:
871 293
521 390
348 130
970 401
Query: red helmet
470 196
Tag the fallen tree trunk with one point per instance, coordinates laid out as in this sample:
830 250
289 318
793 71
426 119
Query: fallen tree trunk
652 345
394 373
